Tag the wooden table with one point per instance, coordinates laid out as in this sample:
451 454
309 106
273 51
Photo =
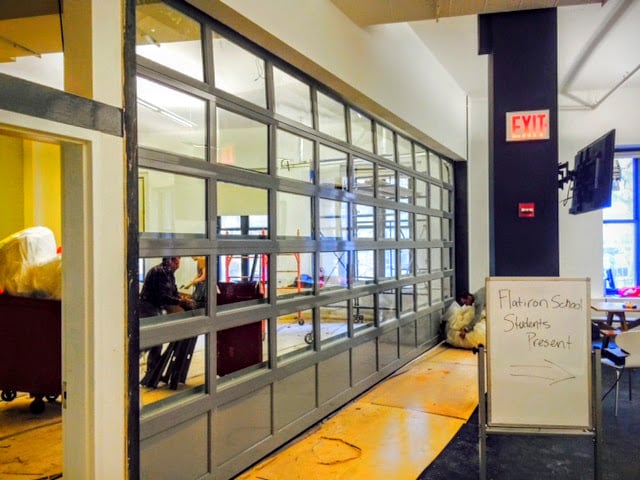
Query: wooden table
613 309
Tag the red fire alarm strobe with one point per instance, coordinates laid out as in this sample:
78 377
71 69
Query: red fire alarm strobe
526 210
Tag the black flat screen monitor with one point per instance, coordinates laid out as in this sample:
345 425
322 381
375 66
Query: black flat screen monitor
593 175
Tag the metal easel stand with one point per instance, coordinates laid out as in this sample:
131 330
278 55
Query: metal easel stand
596 416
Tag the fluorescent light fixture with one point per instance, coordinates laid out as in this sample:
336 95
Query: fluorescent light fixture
170 115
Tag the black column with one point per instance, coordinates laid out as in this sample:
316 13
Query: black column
522 48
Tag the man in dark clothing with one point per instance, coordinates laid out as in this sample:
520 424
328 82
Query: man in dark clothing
160 294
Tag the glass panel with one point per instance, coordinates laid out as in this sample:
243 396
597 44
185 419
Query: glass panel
434 228
334 321
169 38
406 225
292 97
406 262
446 287
436 291
405 188
361 133
386 183
242 142
387 308
618 246
242 211
447 258
422 296
242 277
362 176
171 371
331 117
434 197
388 270
388 223
294 275
362 311
294 334
363 221
446 200
434 165
333 169
384 140
294 215
422 261
623 193
364 267
405 157
333 271
171 121
446 172
436 259
334 220
446 229
171 204
294 156
407 303
241 351
238 71
161 300
421 159
422 227
421 193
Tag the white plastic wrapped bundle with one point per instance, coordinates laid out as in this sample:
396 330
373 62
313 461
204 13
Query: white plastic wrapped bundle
30 265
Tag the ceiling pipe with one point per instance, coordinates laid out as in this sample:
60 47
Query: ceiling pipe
587 50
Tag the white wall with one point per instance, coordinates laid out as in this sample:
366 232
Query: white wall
580 235
387 63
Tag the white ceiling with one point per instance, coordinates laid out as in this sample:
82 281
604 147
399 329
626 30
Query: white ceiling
597 47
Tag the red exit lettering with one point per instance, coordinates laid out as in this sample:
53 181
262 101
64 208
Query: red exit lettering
531 125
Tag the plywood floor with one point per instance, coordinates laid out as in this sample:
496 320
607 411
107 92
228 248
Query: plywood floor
393 431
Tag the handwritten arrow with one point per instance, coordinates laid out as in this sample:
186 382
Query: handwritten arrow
553 372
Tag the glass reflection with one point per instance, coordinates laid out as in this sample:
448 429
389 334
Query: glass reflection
434 165
294 334
363 221
168 37
170 370
238 71
386 183
388 270
242 211
364 267
405 188
294 156
361 130
334 219
333 271
294 215
384 141
422 296
406 225
292 97
334 322
331 117
171 121
422 227
333 169
171 204
406 262
421 159
407 302
388 223
242 142
294 275
387 308
405 157
363 177
363 309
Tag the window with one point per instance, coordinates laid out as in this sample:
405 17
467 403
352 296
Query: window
620 228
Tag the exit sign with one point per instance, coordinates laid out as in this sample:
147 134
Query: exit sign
526 126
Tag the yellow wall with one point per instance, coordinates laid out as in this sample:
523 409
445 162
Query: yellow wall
32 181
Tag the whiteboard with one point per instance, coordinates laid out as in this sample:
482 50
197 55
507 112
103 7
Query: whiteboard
538 352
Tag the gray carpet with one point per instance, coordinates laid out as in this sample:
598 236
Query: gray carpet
524 457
